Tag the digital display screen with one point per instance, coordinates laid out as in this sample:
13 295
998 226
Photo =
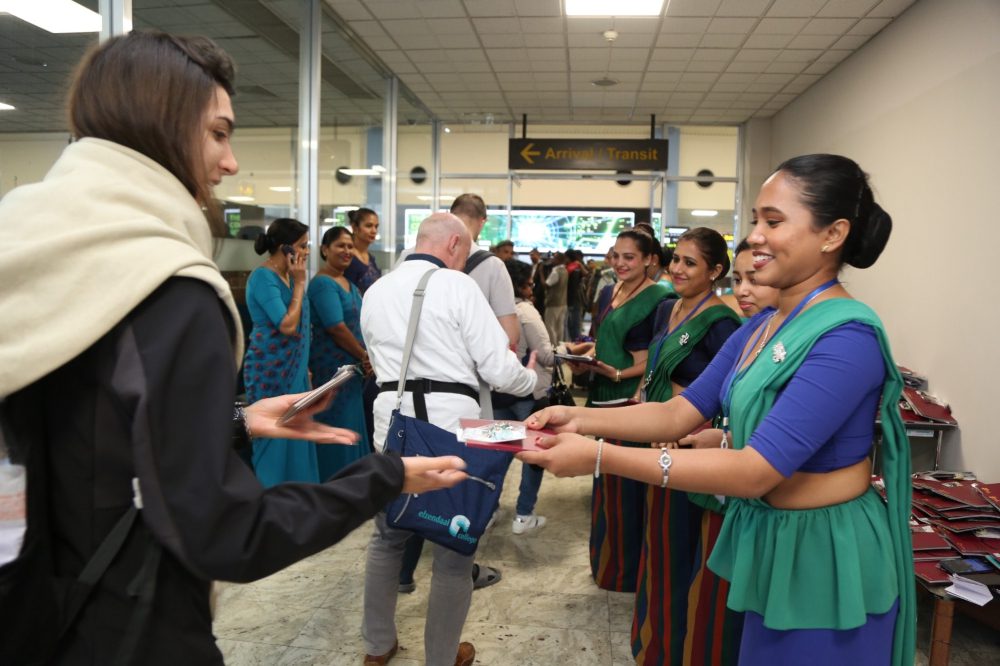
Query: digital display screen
593 232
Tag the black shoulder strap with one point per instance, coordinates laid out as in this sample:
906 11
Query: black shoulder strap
476 258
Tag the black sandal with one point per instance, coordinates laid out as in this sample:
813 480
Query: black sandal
484 576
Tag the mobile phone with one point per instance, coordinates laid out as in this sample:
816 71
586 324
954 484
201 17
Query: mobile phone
576 358
289 251
344 373
966 565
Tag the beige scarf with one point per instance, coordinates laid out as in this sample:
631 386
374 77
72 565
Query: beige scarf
82 248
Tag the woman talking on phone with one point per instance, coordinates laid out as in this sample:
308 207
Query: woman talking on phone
819 565
277 359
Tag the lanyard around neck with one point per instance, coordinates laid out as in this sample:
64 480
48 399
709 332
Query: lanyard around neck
607 308
669 332
738 369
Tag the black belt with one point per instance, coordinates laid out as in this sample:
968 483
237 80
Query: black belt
420 387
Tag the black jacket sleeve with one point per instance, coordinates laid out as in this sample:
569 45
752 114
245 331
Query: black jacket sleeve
176 375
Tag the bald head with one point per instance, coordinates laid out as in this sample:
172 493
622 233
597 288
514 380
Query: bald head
446 237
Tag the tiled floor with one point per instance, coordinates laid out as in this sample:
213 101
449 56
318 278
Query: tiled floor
546 610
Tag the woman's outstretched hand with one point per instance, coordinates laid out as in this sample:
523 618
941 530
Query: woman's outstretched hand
425 474
263 415
558 417
566 454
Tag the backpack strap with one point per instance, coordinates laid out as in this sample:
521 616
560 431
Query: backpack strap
96 567
476 258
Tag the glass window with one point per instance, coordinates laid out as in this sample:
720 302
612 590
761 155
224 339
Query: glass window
34 72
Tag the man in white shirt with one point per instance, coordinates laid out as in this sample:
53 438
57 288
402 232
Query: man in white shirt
457 336
490 274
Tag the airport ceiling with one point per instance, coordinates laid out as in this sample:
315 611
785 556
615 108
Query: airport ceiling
484 61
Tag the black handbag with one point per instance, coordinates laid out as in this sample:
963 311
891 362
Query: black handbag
559 393
455 517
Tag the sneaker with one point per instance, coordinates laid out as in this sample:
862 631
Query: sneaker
524 524
466 654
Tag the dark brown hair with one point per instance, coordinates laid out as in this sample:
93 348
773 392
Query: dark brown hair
712 246
359 215
283 231
642 240
149 91
331 235
470 206
834 187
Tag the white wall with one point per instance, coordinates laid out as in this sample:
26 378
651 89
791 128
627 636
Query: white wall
917 107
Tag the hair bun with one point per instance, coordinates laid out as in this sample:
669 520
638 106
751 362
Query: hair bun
871 239
261 244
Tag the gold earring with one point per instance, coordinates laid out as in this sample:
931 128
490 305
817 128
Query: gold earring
825 249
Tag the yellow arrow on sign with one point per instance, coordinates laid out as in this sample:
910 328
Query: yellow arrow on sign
527 153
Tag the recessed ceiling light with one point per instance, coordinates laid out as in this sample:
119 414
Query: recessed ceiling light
56 16
604 83
617 8
704 213
6 107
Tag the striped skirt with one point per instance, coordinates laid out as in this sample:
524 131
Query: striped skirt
616 522
666 569
680 612
713 631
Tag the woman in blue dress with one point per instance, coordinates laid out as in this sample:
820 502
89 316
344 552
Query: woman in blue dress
277 358
335 312
363 271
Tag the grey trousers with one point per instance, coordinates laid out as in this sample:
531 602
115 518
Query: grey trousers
447 607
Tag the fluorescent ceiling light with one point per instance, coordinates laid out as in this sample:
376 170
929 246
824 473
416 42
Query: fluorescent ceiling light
56 16
704 213
240 199
6 107
361 172
282 188
443 197
616 8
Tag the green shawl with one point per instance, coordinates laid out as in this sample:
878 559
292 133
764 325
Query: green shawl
819 568
676 348
610 347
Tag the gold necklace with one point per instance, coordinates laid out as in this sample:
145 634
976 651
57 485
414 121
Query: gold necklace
763 338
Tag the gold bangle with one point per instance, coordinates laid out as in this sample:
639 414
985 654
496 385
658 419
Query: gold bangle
618 376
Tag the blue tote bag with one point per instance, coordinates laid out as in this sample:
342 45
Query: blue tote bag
455 517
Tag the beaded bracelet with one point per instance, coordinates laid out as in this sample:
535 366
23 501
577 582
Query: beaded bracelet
600 449
241 429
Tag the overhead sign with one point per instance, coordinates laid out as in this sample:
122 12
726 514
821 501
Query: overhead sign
588 154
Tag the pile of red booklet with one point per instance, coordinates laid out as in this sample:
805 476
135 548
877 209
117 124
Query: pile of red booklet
953 519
